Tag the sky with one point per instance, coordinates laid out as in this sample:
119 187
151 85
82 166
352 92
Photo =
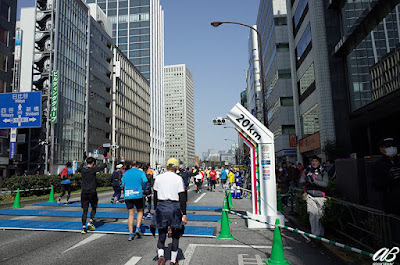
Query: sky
217 58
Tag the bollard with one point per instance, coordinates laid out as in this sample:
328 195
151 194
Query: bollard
17 203
51 197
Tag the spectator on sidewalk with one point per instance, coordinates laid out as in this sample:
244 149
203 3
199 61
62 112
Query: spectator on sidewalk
331 169
386 176
314 179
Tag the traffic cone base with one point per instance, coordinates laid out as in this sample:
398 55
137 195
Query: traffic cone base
51 197
277 255
17 203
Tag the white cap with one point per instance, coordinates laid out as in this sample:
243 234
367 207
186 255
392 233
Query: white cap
119 166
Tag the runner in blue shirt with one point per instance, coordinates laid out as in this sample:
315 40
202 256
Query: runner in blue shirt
134 182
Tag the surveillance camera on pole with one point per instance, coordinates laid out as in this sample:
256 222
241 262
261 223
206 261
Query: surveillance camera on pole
219 121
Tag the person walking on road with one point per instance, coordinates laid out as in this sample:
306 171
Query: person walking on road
170 210
89 193
65 175
213 178
134 182
223 177
315 179
116 183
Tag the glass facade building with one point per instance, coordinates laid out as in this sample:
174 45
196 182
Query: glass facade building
380 41
138 31
71 61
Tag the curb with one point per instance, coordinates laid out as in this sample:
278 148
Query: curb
44 199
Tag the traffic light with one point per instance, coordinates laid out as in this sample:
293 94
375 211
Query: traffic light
219 121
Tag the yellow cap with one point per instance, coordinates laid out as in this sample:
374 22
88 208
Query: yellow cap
173 161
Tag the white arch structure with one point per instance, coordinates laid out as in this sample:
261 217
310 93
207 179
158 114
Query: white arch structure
260 140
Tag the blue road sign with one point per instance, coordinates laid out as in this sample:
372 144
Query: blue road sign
13 146
96 151
20 110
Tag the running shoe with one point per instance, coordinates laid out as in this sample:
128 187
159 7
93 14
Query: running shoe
112 200
174 263
84 231
91 226
161 261
138 234
59 200
130 238
66 203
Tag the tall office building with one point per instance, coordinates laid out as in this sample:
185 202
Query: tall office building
8 10
272 25
131 111
343 56
179 113
99 97
138 30
369 46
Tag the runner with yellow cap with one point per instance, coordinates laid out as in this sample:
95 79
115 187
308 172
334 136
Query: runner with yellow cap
170 209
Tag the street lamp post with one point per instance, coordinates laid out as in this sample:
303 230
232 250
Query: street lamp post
264 107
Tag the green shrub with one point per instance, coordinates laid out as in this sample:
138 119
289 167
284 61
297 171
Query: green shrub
45 181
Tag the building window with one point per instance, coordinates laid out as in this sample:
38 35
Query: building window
299 14
304 46
284 74
288 129
3 62
5 11
280 21
3 36
286 101
310 122
306 84
282 47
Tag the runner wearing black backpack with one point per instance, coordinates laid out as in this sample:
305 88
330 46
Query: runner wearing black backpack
65 182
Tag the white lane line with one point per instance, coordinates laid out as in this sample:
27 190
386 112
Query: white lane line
199 198
192 247
85 241
133 261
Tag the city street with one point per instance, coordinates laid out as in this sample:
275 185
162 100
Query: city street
249 246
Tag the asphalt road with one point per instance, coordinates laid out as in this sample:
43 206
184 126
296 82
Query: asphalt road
248 247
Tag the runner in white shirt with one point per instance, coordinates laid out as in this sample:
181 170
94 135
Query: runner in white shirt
170 209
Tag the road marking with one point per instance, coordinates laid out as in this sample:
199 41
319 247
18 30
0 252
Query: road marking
244 260
192 247
133 261
199 198
85 241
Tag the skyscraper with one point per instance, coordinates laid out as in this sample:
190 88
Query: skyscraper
179 114
138 31
272 24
